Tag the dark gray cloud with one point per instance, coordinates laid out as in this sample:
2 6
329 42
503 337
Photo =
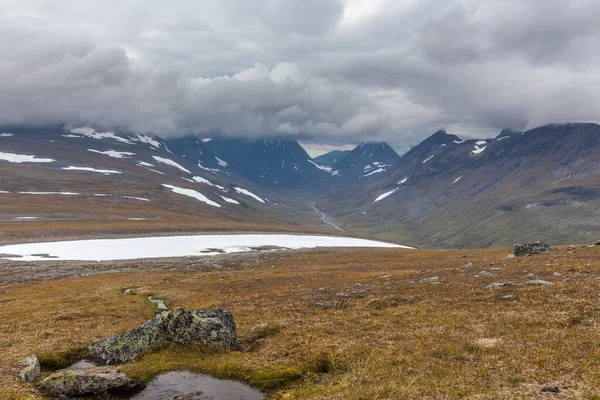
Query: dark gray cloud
334 71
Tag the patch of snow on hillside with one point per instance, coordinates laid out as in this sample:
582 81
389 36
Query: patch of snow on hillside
113 153
428 158
386 194
145 164
200 179
321 167
91 132
402 181
175 246
227 199
377 171
4 192
480 146
503 137
192 193
148 140
47 193
170 162
6 134
72 136
208 169
222 163
88 169
248 193
457 179
23 158
135 198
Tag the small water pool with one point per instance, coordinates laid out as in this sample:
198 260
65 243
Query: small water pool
193 386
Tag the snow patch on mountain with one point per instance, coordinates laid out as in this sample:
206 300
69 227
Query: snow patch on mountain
113 153
170 163
91 133
192 193
148 140
428 159
480 146
88 169
229 200
23 158
248 193
321 167
222 163
386 194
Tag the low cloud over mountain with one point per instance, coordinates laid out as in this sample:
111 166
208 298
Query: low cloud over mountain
330 71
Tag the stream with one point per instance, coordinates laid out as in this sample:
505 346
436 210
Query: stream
326 219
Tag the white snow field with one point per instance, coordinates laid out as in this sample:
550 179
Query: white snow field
173 246
23 158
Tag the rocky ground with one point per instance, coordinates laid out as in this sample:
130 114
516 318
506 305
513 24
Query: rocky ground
331 324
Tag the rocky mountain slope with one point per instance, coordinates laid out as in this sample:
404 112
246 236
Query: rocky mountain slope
519 186
366 161
331 157
270 163
444 192
53 174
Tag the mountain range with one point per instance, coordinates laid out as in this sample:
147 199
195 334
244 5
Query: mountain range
444 192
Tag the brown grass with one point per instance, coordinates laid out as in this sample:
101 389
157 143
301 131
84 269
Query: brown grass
392 334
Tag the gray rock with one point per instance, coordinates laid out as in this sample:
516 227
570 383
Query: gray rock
468 265
557 274
500 284
322 304
179 326
531 277
540 282
530 249
483 273
83 382
30 369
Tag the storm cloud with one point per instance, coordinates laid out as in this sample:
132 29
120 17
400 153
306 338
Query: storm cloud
331 71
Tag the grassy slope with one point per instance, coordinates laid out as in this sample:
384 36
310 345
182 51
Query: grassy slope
395 336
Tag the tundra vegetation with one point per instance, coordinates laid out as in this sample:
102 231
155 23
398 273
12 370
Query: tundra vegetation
336 324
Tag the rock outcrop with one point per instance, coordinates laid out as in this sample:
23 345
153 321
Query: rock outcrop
84 382
179 326
30 369
530 249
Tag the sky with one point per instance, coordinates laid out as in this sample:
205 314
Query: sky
325 72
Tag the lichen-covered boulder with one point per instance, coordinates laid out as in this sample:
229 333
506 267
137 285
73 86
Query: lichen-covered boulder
84 382
30 369
530 249
179 326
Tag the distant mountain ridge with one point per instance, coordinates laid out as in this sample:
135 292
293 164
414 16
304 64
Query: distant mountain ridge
543 183
367 160
270 162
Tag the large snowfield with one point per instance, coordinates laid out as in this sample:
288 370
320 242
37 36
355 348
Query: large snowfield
173 246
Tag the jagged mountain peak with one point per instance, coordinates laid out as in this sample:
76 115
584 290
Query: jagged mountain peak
270 162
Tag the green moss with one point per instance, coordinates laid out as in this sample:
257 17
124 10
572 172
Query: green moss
58 360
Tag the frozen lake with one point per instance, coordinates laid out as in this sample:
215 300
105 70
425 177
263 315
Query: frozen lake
174 246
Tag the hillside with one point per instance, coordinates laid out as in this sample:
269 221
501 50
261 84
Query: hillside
94 181
447 192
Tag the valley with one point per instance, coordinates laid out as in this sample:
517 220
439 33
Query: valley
444 192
